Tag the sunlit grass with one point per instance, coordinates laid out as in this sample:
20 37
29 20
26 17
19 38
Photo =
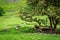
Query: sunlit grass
29 36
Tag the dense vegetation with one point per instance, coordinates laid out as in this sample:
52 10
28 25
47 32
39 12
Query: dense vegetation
1 11
43 7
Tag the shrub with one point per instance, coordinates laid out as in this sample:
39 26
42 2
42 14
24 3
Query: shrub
1 11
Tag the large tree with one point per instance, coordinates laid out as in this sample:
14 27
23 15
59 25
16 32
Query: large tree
50 8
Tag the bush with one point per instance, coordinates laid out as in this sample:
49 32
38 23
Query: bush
1 11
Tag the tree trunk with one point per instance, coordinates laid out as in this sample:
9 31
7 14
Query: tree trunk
55 26
54 29
55 22
50 19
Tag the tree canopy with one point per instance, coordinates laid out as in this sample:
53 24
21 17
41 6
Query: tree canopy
50 8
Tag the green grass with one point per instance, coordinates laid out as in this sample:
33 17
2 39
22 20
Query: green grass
29 36
3 2
12 6
11 20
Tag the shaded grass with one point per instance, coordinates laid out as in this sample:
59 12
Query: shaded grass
20 29
13 30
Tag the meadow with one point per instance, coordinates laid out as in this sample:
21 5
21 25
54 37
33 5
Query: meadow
29 36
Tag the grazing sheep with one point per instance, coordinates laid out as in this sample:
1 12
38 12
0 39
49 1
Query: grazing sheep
17 27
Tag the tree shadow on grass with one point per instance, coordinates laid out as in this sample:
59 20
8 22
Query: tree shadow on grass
22 30
58 31
17 31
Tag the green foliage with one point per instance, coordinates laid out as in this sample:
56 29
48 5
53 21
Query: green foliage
49 8
55 3
1 11
32 2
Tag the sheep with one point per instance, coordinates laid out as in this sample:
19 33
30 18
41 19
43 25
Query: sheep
17 27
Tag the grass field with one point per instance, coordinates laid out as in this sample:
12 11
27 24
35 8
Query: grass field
12 20
29 36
